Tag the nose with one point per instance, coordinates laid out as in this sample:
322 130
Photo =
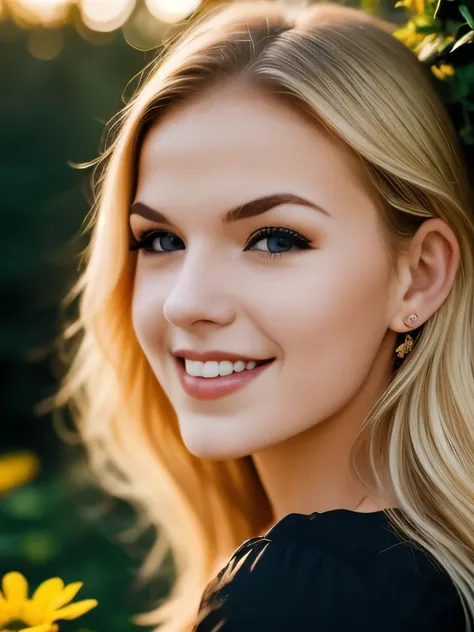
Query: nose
200 296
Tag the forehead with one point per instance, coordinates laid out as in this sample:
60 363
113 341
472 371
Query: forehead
240 139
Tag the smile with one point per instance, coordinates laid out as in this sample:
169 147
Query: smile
213 379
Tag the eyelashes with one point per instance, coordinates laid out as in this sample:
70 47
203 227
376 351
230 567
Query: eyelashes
278 241
281 239
170 243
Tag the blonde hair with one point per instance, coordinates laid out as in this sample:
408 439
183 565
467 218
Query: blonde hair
345 70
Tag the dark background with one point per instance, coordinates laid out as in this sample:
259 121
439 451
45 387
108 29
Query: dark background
52 114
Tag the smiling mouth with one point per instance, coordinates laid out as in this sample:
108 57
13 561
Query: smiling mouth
213 369
210 384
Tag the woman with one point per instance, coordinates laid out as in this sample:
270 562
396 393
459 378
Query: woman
277 328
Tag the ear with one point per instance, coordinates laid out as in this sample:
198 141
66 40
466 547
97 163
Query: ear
427 270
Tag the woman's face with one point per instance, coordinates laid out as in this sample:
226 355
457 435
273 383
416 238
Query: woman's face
303 281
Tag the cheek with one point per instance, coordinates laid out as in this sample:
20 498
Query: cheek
329 321
330 291
147 313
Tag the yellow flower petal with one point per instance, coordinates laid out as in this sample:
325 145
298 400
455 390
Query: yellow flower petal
4 619
17 469
447 69
4 611
67 595
15 589
30 614
46 593
74 610
420 6
443 71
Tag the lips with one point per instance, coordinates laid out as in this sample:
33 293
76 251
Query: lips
207 388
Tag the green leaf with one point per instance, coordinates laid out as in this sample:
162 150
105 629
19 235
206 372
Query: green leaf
466 14
427 30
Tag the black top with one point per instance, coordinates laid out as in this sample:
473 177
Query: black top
337 571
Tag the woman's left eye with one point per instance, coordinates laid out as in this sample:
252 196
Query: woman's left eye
277 241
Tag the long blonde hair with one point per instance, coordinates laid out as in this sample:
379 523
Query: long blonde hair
345 70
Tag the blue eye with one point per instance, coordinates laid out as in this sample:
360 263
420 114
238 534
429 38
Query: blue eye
277 241
271 240
158 241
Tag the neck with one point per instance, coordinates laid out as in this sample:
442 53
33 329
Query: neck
311 472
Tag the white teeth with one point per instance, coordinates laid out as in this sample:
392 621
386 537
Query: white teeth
213 368
226 367
193 367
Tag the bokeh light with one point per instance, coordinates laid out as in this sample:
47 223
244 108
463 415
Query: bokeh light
106 15
43 12
102 16
143 31
171 10
45 44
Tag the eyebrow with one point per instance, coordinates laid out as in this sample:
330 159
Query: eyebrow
244 211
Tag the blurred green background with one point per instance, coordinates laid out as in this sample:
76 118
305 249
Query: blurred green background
60 81
65 67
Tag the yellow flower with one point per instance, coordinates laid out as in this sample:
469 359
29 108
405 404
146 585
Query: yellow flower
444 70
47 605
409 35
415 6
17 469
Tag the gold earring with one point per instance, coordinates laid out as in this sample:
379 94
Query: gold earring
405 348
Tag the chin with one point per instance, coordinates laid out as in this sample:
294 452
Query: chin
211 446
214 451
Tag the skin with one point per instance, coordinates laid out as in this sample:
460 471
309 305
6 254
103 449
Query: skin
328 314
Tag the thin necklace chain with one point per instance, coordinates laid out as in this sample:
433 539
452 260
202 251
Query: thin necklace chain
359 503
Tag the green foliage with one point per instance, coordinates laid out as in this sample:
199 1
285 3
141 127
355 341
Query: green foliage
53 528
442 34
52 114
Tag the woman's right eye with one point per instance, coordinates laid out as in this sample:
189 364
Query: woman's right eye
158 242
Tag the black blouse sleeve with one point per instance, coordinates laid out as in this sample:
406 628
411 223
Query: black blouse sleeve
331 572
